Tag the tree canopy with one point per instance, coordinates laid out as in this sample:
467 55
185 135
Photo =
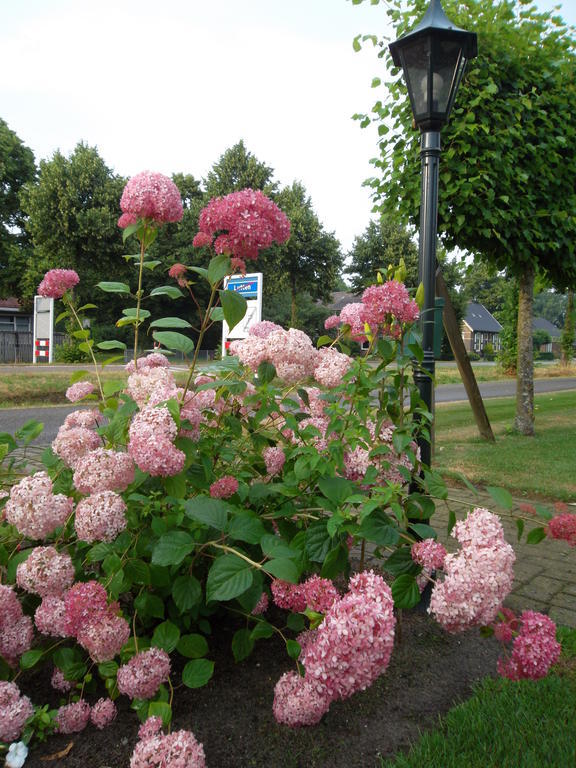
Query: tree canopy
507 170
72 219
238 169
17 167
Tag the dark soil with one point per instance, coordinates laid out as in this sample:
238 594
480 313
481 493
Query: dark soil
430 672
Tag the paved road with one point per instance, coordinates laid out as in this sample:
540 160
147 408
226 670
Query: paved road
52 416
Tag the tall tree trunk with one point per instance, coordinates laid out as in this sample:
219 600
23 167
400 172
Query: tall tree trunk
524 421
568 331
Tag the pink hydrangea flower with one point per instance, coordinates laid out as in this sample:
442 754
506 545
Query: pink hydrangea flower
100 517
104 636
353 315
56 282
478 578
16 638
243 222
151 385
141 677
429 554
274 458
563 527
150 443
179 749
178 272
72 443
59 682
87 418
153 360
103 713
388 305
103 470
85 601
297 702
151 196
73 718
331 367
224 487
79 390
151 727
34 510
332 322
15 709
263 329
288 596
320 594
292 354
45 572
50 617
354 642
534 649
262 605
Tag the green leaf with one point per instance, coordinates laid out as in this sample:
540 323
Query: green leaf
536 535
186 592
149 605
246 527
400 562
167 290
71 662
337 489
172 548
228 577
234 307
419 507
296 622
266 372
161 709
335 563
166 636
293 649
501 496
318 542
197 673
242 644
170 322
113 287
379 528
520 528
262 630
218 268
174 341
29 659
108 669
111 345
192 646
405 591
209 511
282 568
31 430
274 546
423 531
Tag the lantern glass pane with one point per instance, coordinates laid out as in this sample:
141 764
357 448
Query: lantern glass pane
416 66
447 73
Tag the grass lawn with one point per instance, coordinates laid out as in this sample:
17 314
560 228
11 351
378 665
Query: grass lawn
525 724
539 466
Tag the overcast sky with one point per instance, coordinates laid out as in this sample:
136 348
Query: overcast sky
170 86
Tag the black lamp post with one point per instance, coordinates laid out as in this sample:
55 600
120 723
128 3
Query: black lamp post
433 57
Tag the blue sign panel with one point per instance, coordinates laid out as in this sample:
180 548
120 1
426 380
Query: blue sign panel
247 287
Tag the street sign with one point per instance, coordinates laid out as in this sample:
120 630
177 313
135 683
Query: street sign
249 286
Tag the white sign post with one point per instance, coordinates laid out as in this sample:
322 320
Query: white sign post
43 346
249 286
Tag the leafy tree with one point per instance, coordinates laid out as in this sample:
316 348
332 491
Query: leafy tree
72 220
17 167
507 171
238 169
484 285
539 338
551 305
310 262
383 242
